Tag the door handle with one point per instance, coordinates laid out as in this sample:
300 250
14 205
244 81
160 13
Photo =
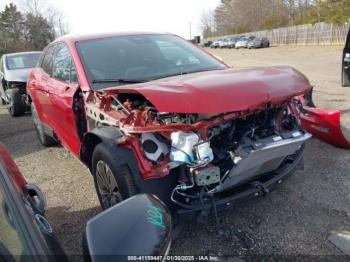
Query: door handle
33 83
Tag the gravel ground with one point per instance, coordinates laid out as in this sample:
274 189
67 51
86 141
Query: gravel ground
294 220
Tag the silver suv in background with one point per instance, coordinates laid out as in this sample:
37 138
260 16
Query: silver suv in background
14 72
243 42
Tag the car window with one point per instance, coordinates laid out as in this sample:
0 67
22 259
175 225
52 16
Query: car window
47 61
176 55
10 241
63 66
21 61
61 63
73 73
40 60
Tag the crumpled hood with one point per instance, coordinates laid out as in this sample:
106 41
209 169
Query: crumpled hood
18 75
222 90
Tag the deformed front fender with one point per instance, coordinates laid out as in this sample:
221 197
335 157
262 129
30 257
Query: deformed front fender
110 135
325 125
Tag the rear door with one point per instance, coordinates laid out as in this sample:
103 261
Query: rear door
62 87
37 84
346 63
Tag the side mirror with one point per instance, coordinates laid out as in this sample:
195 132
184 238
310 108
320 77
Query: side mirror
138 226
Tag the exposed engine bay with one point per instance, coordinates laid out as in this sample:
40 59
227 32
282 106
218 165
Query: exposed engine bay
210 153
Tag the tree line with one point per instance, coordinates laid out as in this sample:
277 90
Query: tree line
30 26
240 16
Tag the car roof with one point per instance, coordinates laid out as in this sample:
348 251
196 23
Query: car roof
77 38
23 53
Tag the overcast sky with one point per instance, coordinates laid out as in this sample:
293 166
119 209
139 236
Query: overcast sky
90 16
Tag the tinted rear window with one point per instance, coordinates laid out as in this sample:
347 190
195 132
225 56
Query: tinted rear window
21 61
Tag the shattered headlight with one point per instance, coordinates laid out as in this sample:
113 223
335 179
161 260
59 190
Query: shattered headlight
187 148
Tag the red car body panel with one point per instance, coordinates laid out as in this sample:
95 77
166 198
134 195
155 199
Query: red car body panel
221 91
54 101
10 168
322 123
325 125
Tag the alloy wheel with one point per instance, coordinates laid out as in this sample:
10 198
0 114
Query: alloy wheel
107 185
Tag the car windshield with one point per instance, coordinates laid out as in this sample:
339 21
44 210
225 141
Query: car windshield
21 61
140 58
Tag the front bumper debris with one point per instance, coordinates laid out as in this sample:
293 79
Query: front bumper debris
257 188
261 157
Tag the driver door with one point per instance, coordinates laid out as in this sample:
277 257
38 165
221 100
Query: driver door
61 88
346 63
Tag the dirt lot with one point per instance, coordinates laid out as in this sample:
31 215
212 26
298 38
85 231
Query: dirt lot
295 219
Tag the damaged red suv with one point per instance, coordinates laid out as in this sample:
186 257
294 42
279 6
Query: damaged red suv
154 113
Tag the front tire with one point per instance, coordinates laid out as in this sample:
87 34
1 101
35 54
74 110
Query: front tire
15 106
113 180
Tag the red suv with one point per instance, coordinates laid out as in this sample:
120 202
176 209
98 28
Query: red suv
154 113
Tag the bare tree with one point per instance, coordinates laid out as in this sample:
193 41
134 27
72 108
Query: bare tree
207 23
51 13
224 17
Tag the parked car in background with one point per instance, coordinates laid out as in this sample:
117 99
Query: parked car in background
139 226
232 41
224 43
152 113
216 43
14 72
259 42
243 42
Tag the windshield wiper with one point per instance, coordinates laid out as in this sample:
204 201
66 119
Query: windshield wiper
121 81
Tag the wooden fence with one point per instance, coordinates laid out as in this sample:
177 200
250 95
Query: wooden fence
317 34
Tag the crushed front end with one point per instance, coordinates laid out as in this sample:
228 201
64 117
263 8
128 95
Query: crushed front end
238 155
217 158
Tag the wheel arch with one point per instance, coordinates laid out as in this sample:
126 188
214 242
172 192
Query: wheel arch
109 135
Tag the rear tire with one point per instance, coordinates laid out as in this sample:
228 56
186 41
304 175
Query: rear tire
113 180
15 106
44 138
